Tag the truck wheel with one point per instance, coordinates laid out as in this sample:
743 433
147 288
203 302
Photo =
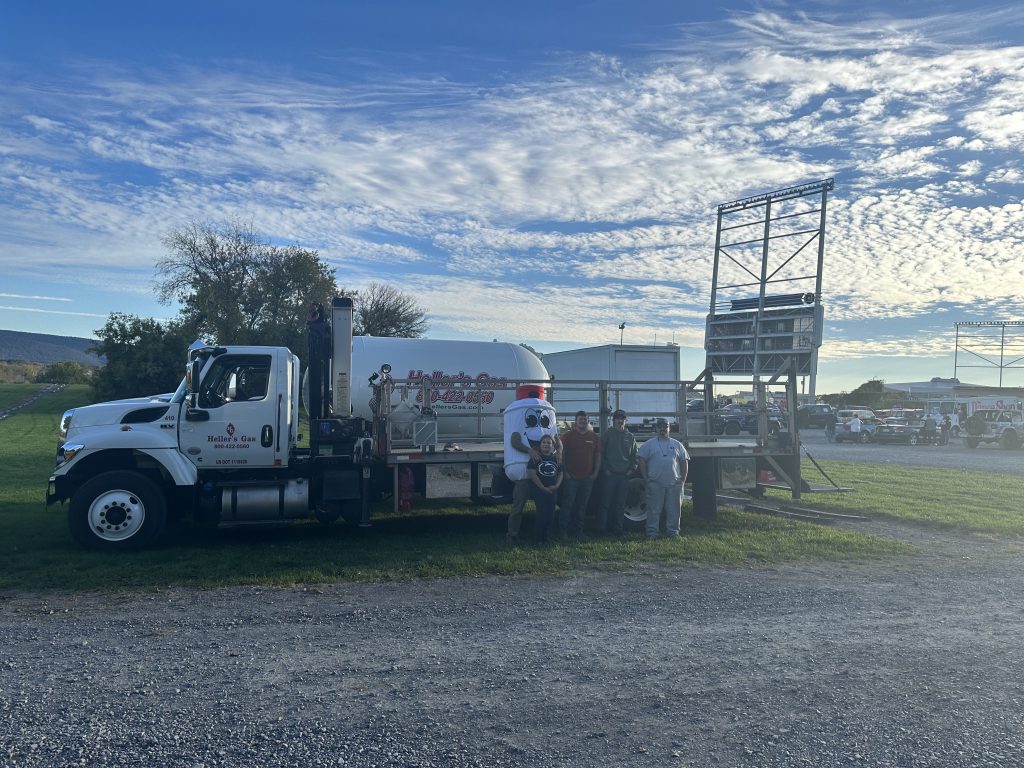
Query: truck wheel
1010 440
326 514
913 440
865 437
635 508
351 513
117 511
972 442
732 428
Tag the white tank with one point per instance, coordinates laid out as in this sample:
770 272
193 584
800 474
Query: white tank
467 378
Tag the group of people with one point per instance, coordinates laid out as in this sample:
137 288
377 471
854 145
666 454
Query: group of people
565 470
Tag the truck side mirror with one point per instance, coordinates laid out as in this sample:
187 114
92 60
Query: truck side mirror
195 370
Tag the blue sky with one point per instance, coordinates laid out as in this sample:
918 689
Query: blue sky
534 172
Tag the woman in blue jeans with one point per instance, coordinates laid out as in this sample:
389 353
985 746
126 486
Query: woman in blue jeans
546 475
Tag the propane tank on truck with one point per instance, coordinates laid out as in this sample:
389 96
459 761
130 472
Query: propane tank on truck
470 383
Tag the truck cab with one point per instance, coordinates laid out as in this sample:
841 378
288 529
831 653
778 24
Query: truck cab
244 410
128 465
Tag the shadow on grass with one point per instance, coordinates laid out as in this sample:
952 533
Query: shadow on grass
441 539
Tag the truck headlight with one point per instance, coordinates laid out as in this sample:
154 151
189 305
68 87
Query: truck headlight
65 422
68 451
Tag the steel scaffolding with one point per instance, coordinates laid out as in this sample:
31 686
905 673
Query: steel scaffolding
988 343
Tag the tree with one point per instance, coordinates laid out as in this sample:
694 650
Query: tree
237 289
65 372
871 393
383 310
144 357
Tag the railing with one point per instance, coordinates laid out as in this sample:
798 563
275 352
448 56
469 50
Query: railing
407 412
472 412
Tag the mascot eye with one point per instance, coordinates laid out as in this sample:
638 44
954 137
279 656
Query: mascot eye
545 421
531 419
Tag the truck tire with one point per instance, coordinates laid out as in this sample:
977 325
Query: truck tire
1010 440
913 440
865 436
635 508
732 428
351 513
117 511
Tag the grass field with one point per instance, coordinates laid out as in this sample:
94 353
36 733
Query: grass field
11 394
36 551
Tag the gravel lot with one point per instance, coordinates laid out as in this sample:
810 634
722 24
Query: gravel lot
916 662
912 663
988 457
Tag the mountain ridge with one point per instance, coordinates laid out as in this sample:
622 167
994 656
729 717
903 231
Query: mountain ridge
25 347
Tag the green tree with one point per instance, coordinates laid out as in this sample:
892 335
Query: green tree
237 289
383 310
871 394
144 357
65 372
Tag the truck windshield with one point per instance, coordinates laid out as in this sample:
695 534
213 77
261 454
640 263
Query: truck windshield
179 393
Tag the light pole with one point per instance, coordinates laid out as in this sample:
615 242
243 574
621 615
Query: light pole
622 327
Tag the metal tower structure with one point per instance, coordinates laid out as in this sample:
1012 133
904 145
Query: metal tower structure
766 314
988 344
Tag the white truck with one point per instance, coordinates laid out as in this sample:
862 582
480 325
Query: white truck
225 446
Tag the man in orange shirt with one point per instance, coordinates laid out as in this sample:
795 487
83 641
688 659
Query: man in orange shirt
581 459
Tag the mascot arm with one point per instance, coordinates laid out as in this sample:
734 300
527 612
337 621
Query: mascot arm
519 445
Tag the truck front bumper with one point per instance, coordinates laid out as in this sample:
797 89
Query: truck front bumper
56 490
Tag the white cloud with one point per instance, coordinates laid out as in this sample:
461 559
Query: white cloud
51 311
33 298
594 188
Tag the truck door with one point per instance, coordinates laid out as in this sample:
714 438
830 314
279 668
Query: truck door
236 418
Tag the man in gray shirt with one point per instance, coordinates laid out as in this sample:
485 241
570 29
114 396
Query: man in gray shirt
663 464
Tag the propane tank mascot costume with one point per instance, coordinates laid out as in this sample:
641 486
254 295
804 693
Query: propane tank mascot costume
526 421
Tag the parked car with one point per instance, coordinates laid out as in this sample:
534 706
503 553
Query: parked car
813 415
898 431
866 434
845 414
